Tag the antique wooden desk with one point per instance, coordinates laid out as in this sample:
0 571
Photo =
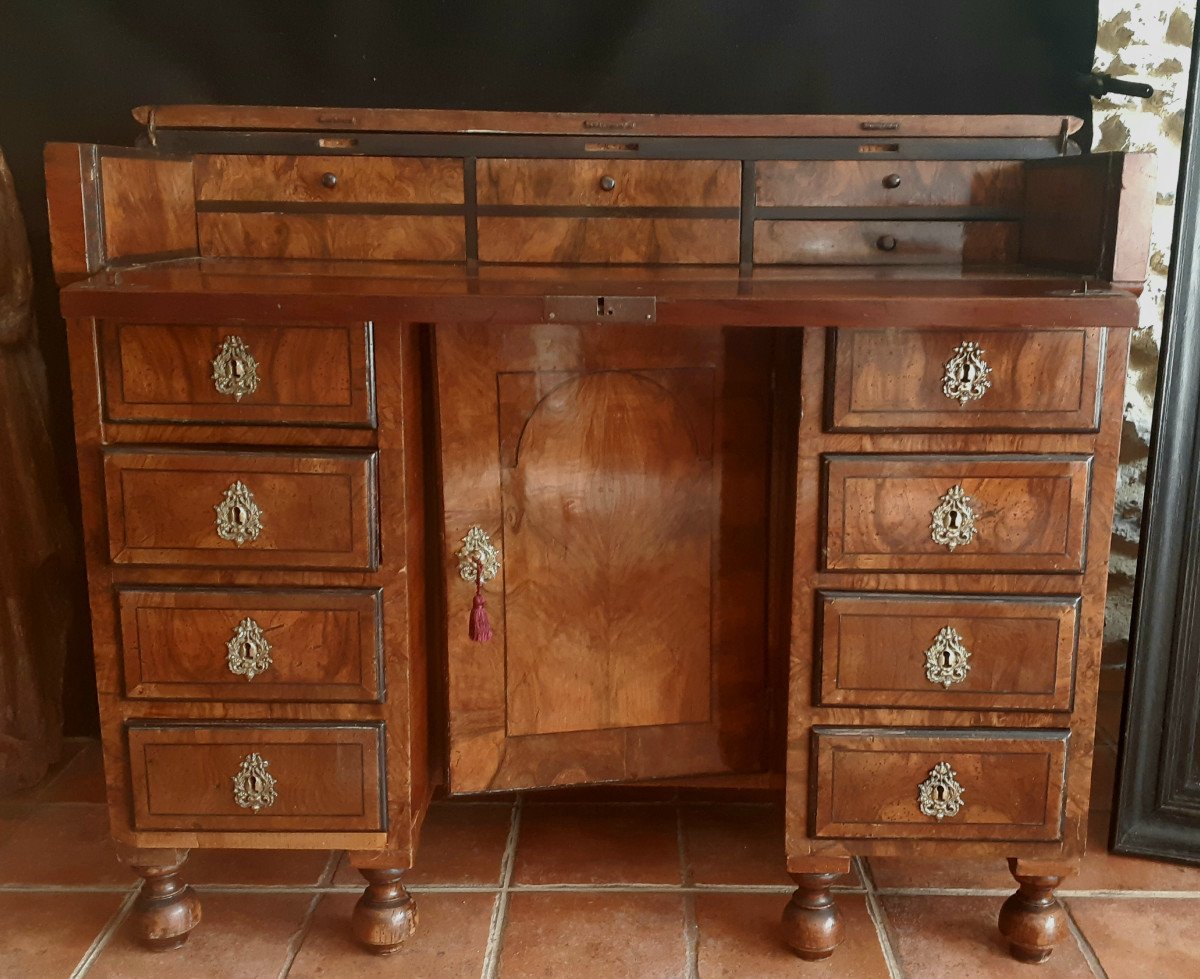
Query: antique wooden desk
780 449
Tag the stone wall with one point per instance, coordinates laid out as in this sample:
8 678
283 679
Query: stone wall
1151 42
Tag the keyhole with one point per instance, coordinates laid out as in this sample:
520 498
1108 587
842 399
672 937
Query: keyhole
237 370
967 373
947 658
953 520
239 515
939 793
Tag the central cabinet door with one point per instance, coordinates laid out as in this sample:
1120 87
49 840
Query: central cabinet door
622 473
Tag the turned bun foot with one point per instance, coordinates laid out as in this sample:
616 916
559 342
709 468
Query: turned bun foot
166 909
1032 920
812 923
386 915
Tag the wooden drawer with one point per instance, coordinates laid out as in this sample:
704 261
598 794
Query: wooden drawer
947 651
247 374
354 179
322 778
1021 513
869 784
898 183
610 183
977 380
289 511
609 240
203 644
885 242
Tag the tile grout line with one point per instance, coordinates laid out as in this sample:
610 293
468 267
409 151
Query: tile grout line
687 879
879 918
100 942
1089 953
491 957
300 935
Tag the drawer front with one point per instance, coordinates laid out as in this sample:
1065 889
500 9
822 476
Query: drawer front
956 513
979 380
609 240
242 509
383 237
610 183
320 778
899 183
953 652
202 644
939 785
884 242
329 179
245 374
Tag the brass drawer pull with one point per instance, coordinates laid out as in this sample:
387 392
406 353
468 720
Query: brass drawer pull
253 785
249 650
329 180
940 795
234 369
607 183
967 376
953 522
886 243
891 181
947 661
239 517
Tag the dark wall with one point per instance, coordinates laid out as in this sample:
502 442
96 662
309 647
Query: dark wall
72 69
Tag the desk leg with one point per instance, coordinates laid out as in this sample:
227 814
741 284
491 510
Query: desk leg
386 915
1032 920
812 923
166 909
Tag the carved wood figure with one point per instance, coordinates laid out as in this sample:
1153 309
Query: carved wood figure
36 540
437 451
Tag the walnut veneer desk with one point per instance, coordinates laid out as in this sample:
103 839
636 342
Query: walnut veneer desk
754 447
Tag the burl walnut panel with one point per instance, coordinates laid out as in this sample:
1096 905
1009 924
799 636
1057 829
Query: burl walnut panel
148 206
376 237
895 183
868 783
317 511
873 650
609 240
895 380
326 777
885 242
1029 512
329 179
324 644
610 183
617 469
315 375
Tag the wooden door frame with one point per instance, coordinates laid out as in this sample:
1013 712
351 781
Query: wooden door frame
1158 805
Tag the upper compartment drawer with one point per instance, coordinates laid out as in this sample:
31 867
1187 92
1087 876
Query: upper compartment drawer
317 777
609 211
610 183
329 179
246 374
885 242
956 513
331 207
939 785
242 509
900 183
982 380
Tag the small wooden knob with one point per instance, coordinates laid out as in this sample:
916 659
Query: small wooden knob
891 181
329 180
886 243
607 182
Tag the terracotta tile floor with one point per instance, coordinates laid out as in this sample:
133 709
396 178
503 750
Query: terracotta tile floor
526 887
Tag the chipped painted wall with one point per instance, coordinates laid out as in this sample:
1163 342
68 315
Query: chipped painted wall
1148 41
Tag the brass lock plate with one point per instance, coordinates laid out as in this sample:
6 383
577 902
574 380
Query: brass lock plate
600 309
